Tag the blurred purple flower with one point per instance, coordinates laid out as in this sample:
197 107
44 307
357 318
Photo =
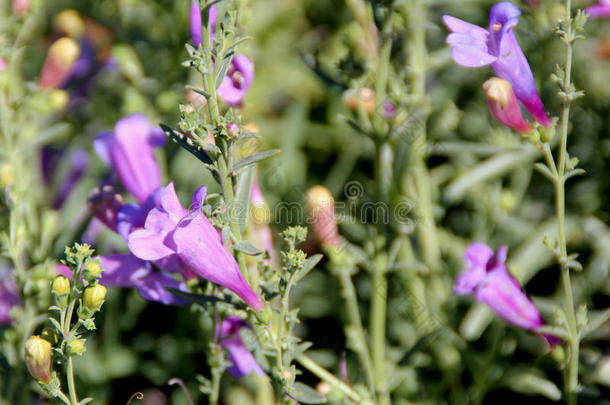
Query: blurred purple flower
243 363
79 161
129 150
172 233
600 10
241 71
473 46
489 280
105 203
9 296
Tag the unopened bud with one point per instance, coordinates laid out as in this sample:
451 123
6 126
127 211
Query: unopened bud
94 296
7 175
503 104
61 285
59 62
59 99
353 98
69 22
21 6
76 347
93 269
232 129
321 207
38 358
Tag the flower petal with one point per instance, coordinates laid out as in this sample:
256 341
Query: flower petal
148 245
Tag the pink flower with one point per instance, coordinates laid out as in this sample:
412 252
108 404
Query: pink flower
600 10
503 104
489 280
243 363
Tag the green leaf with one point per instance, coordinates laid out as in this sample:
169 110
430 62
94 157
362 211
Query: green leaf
529 382
545 171
252 159
248 248
307 395
187 143
597 319
242 197
222 67
309 265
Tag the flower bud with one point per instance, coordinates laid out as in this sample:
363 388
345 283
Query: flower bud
3 64
59 99
21 6
76 347
38 358
61 286
321 207
57 66
93 269
7 175
93 297
352 98
69 22
503 104
232 129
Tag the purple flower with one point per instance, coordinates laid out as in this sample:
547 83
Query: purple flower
9 296
130 152
241 71
105 204
503 104
473 46
600 10
243 363
237 81
172 233
489 280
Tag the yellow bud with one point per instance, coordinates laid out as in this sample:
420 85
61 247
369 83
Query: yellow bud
61 285
65 50
498 90
7 175
93 269
70 22
38 358
58 99
76 347
93 297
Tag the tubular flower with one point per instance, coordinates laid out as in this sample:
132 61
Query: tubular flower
171 232
503 104
473 46
488 279
243 363
600 10
130 152
241 71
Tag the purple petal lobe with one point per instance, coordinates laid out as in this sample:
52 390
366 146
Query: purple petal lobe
195 24
148 245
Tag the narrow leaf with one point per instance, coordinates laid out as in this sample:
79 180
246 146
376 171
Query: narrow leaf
247 248
303 393
309 265
596 320
222 68
252 159
187 144
242 197
544 170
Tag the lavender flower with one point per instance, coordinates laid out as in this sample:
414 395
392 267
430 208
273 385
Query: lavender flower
130 152
241 71
243 363
489 280
600 10
9 296
503 104
172 233
473 46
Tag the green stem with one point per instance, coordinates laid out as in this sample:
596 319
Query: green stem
351 300
378 326
324 375
71 385
571 375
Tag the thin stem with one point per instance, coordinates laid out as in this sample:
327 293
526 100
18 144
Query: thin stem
378 326
71 385
351 300
324 375
571 375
